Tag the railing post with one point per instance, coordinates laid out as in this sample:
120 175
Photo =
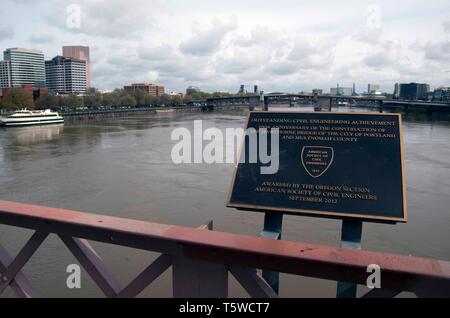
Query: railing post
198 279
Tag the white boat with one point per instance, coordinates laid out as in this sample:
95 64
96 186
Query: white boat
31 117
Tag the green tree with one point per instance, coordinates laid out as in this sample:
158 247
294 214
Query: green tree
164 100
47 101
150 100
128 100
17 98
176 100
108 99
140 96
73 102
93 100
197 95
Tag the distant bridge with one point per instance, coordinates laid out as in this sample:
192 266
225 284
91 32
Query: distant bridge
323 101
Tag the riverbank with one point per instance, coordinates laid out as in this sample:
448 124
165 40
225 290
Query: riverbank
72 117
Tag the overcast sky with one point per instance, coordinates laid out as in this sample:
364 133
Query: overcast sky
282 45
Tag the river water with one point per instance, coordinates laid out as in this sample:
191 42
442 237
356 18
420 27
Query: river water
123 167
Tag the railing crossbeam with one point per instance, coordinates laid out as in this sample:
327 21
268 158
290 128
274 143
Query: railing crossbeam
20 284
94 265
255 285
148 276
381 293
21 259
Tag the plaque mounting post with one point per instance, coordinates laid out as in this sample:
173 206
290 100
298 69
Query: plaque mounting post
273 224
350 238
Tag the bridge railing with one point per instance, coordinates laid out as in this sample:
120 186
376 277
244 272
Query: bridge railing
201 259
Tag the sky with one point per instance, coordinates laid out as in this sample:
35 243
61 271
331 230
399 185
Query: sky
282 45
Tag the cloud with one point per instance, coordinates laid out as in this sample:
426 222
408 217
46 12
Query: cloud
6 32
313 53
282 68
39 38
280 45
369 36
438 51
208 40
447 26
107 18
260 35
156 53
379 59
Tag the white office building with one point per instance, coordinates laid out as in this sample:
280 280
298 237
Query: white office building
66 75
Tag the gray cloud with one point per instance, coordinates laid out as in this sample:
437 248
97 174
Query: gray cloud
207 41
378 59
6 32
283 45
283 68
39 38
447 26
438 51
111 19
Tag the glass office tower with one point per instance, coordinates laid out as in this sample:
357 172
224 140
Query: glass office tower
26 66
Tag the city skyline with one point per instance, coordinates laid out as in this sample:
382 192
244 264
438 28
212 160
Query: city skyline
219 47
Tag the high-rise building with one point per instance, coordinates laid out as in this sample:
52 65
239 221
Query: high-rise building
5 74
414 91
80 53
354 93
152 89
66 75
397 90
373 89
256 89
242 89
341 91
25 67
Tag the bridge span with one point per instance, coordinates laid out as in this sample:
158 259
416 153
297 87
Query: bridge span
323 101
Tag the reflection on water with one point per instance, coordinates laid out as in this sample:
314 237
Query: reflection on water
123 168
24 136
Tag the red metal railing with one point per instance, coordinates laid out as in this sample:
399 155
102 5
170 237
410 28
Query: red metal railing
201 259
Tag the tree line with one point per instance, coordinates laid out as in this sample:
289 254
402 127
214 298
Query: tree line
17 98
